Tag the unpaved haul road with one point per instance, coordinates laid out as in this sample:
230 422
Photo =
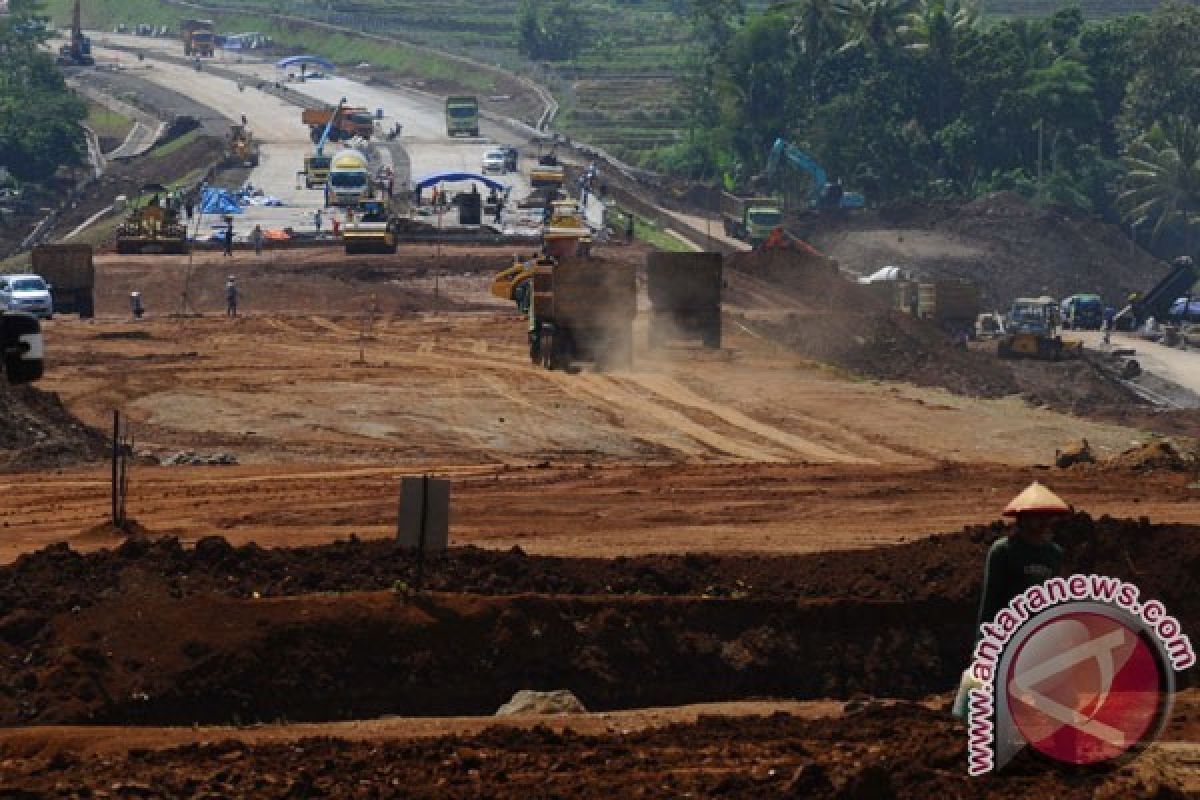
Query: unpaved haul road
1181 367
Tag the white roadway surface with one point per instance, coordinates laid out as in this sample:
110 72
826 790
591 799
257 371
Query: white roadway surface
1181 367
284 140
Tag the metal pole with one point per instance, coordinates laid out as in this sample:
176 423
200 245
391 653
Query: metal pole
116 446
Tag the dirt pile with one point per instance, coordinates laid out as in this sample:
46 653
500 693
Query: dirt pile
1000 241
39 432
777 756
1160 454
153 633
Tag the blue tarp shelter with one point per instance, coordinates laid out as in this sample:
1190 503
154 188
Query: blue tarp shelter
453 177
303 61
219 201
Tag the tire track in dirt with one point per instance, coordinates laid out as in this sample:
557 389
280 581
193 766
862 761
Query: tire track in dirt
670 389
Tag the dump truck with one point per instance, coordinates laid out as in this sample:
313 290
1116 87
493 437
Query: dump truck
198 37
243 150
462 115
153 226
685 297
348 122
750 219
349 179
69 270
952 305
583 310
374 229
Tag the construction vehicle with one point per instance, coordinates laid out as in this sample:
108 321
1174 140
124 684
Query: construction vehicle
338 124
583 310
1032 332
69 270
374 229
1083 312
513 282
462 115
566 234
243 150
1157 302
750 219
819 193
21 347
317 164
548 172
198 37
152 226
685 297
77 52
780 239
349 180
952 305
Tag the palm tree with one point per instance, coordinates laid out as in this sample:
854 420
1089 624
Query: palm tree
935 28
874 25
1162 178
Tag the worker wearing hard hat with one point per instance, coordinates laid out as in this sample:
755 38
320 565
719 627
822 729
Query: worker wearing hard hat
1027 556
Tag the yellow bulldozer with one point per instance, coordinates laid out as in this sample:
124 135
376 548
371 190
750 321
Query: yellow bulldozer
153 225
1033 332
243 150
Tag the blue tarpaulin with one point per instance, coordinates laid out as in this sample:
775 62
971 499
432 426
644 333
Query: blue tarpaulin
219 201
453 177
303 61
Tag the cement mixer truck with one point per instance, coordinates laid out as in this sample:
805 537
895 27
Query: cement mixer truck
349 181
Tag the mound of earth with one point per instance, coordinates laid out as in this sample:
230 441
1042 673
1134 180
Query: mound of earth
1000 241
38 431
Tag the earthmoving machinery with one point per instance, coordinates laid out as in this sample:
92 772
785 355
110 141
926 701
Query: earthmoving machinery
243 150
548 172
21 347
1083 312
198 37
374 229
349 180
462 115
69 271
1032 332
317 164
685 297
513 282
820 193
1157 302
339 124
952 305
750 219
583 310
152 226
77 52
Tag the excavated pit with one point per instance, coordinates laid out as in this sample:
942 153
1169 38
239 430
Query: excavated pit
154 633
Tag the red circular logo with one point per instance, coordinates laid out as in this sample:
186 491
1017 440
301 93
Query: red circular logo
1085 687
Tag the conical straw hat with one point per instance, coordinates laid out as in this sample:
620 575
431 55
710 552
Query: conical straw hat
1036 499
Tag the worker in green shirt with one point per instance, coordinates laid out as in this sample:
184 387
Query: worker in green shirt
1027 556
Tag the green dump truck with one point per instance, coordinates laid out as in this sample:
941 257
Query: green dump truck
462 116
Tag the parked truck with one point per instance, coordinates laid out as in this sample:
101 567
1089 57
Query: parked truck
198 37
750 219
685 297
462 115
69 270
583 310
348 122
953 305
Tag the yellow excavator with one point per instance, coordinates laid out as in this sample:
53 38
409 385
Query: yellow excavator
1033 332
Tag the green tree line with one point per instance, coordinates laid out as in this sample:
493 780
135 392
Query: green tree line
906 99
39 115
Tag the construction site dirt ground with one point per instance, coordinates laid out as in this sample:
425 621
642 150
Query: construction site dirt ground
708 535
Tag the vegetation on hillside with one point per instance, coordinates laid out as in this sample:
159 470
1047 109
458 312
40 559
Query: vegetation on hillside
917 98
39 115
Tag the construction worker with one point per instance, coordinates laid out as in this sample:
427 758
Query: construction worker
231 296
229 236
317 220
629 228
1027 556
256 238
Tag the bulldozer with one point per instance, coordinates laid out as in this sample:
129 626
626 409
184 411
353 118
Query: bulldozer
153 226
243 150
1033 332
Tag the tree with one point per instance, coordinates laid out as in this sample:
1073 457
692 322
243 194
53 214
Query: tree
556 33
934 29
1162 178
1167 65
874 25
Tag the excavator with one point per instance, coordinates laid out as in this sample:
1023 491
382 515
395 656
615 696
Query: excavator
78 51
316 165
822 194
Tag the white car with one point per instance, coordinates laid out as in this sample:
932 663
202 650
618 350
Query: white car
495 161
28 293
